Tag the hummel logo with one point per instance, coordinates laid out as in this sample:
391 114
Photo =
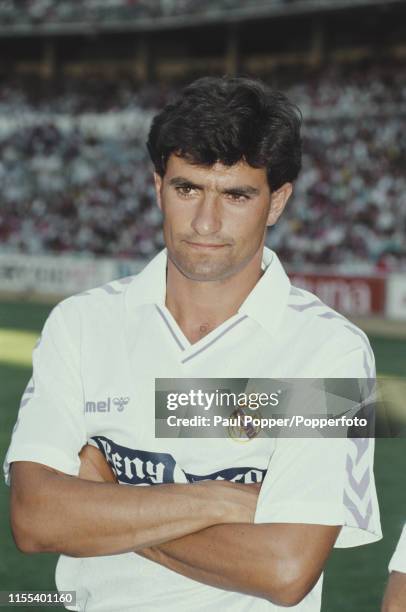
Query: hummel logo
104 406
121 402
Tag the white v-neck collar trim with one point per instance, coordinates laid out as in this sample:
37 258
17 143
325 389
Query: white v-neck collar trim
188 349
266 303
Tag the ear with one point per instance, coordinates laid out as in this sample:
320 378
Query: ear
158 186
279 199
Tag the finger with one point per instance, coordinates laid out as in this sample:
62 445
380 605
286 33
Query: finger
93 465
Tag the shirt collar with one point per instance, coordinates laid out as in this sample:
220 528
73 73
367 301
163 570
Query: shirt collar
265 304
149 285
267 301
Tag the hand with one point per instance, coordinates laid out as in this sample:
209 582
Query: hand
242 497
230 502
93 465
235 502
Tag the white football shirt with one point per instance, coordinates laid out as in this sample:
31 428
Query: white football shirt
94 371
398 561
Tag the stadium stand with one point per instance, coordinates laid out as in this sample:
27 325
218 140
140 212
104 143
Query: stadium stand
72 189
99 11
44 12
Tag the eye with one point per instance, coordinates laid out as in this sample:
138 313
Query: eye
184 190
238 197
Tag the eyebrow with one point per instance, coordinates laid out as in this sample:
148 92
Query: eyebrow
180 181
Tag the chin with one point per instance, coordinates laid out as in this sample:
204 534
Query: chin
202 268
195 270
205 273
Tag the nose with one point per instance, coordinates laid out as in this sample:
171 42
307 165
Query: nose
207 218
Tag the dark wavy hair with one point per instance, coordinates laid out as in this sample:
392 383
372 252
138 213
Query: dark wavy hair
227 119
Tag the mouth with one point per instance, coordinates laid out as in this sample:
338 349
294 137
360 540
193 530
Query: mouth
205 245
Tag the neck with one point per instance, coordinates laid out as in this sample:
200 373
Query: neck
198 307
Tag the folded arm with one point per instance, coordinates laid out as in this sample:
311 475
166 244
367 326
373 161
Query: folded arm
54 512
395 593
279 562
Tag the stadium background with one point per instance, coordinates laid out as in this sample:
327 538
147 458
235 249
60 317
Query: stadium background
79 82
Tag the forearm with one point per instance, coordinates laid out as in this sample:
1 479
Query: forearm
59 513
227 556
279 562
395 594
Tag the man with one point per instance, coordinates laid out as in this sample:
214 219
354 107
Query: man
395 594
214 303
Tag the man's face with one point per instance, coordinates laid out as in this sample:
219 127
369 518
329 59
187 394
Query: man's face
215 217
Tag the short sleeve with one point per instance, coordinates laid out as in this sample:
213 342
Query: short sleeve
326 481
398 561
50 426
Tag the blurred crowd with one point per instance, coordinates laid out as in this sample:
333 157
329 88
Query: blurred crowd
96 11
333 92
349 206
80 190
68 192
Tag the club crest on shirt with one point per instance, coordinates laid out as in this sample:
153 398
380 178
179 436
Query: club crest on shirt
238 430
